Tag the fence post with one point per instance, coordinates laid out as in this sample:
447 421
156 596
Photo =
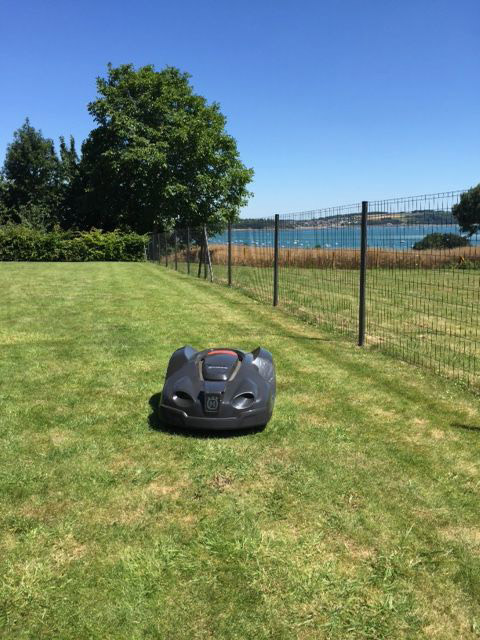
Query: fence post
166 248
175 241
200 260
275 262
205 250
188 250
229 254
208 260
363 276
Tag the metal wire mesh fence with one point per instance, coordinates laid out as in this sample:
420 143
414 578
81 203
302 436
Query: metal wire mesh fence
406 280
423 297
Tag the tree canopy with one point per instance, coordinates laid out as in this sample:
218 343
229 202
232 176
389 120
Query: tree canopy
441 241
31 178
467 211
159 155
70 183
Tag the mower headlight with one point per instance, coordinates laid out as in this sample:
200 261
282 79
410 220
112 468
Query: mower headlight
243 400
182 399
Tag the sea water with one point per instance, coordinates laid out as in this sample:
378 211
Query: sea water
339 237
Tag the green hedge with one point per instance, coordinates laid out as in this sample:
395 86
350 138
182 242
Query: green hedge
22 243
441 241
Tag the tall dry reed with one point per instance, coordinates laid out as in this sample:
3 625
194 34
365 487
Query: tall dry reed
341 258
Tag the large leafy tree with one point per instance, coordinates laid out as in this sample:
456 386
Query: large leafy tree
31 178
69 183
467 211
5 215
68 161
159 155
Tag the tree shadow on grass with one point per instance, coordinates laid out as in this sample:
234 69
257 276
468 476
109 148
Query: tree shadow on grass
306 338
467 427
156 423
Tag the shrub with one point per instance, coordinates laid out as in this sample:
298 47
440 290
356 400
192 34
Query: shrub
22 243
441 241
467 211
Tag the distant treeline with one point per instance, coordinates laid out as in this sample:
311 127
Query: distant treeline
426 217
254 223
419 217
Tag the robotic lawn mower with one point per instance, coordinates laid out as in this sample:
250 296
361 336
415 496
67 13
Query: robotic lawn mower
218 389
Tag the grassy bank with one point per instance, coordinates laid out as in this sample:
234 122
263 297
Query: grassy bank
428 317
354 514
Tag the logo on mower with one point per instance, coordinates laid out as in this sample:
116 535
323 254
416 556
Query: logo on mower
212 402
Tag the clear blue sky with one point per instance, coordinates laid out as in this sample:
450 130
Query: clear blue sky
330 102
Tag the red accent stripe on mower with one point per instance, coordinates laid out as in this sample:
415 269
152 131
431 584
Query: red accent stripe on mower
217 351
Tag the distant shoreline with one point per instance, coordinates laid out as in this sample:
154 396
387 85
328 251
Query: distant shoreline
371 223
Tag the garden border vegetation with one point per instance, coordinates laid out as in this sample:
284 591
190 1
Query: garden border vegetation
21 243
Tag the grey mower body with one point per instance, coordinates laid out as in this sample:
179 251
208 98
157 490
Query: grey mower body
218 389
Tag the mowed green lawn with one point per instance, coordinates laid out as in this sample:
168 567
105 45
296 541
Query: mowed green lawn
354 514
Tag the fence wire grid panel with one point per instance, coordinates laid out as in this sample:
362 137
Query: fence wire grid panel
423 304
319 260
421 295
